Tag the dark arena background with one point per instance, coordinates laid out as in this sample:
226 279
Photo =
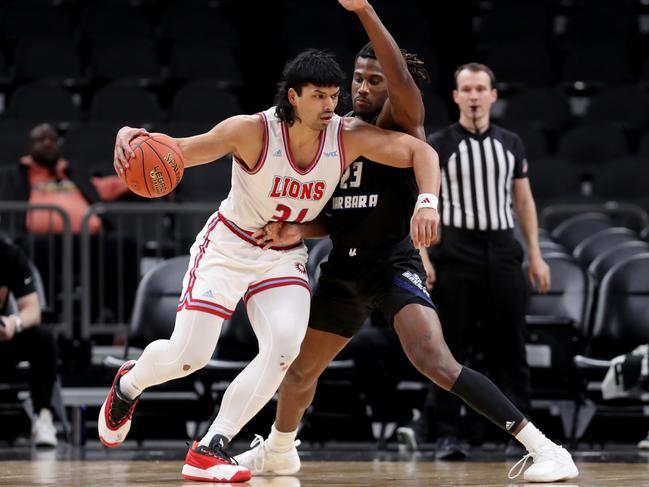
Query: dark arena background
572 80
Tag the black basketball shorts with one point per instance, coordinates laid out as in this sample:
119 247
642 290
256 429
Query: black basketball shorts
350 289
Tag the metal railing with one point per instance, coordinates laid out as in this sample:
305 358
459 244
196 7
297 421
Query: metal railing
133 237
51 252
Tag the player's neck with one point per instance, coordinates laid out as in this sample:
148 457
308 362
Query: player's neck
302 135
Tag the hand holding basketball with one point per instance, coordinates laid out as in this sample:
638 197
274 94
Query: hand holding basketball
123 151
150 164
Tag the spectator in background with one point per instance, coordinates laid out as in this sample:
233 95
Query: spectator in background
45 177
478 260
22 337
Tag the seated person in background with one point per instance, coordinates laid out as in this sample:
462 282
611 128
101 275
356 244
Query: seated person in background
45 177
21 338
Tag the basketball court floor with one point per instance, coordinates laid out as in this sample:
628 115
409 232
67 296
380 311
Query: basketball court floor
329 466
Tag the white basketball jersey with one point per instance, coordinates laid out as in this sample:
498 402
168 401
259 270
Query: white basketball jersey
276 189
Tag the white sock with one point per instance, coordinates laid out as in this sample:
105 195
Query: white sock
127 389
531 438
281 442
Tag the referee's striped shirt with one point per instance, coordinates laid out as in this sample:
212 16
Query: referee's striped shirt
477 176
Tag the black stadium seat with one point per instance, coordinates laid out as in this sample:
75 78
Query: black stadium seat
554 179
102 21
203 101
533 66
544 108
13 140
593 144
557 323
43 102
572 231
91 144
621 252
126 104
197 59
596 65
622 312
114 59
599 242
534 141
625 106
623 179
47 57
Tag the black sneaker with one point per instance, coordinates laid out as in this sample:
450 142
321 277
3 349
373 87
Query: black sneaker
449 448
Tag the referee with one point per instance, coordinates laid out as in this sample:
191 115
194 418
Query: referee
478 261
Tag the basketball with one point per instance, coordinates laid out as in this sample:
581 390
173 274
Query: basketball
156 168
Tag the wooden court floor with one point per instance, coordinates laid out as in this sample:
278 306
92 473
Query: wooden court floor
106 473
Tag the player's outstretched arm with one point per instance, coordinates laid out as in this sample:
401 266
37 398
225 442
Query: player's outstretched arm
241 135
404 107
400 150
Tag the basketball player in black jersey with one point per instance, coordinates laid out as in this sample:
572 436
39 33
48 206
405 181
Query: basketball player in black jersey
373 266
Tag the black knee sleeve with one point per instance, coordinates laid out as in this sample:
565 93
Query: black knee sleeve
484 397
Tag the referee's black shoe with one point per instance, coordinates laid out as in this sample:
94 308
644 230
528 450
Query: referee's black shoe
449 448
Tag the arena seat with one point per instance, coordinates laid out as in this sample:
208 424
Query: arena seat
592 66
619 326
203 101
91 145
572 231
124 103
626 106
533 66
593 144
113 59
204 59
622 313
47 57
597 243
613 256
13 140
40 101
544 108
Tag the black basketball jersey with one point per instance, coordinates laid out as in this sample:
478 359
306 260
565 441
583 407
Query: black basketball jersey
372 206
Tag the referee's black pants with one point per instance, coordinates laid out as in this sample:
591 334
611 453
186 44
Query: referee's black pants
480 280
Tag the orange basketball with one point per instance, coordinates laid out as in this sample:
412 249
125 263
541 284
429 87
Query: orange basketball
157 167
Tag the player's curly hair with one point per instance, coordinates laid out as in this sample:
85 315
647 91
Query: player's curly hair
312 66
416 66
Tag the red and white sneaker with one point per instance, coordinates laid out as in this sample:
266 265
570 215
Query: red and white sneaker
212 464
116 412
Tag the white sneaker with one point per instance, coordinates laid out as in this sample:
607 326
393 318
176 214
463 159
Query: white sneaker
552 463
644 444
43 429
260 459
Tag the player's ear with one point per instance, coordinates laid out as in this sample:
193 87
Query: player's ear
292 96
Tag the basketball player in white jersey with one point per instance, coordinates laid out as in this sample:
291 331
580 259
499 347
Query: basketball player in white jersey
286 163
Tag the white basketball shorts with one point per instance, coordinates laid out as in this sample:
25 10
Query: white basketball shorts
226 264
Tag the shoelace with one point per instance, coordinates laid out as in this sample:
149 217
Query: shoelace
520 470
216 453
259 460
551 452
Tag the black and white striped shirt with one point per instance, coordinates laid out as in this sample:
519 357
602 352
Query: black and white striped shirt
477 174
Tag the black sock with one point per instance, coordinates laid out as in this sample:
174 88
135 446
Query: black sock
485 398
